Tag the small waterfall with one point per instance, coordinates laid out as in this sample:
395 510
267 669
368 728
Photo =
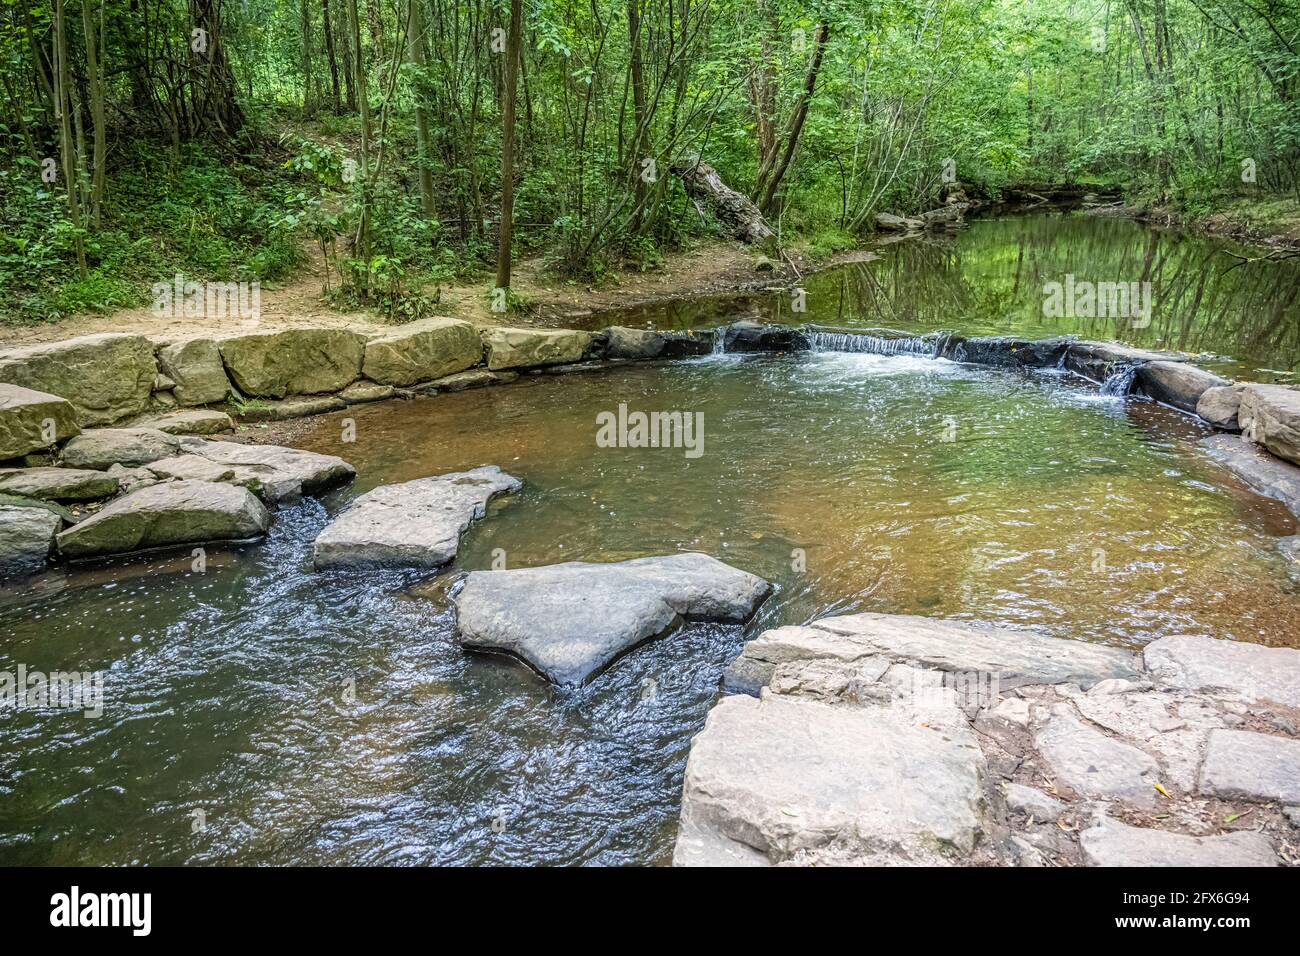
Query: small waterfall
1120 379
887 344
719 340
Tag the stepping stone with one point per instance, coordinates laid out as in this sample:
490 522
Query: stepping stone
1240 763
787 778
1094 765
1195 663
173 513
58 484
1115 844
100 448
569 621
412 524
274 473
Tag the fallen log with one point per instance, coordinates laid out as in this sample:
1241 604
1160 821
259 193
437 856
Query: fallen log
734 210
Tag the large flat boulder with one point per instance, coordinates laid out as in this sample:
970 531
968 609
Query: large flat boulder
423 350
789 779
195 366
411 524
106 377
627 344
1094 765
525 348
172 513
1218 406
1179 384
1096 360
1270 415
1244 764
1015 656
101 448
569 621
274 473
748 336
1266 474
1197 663
58 484
293 361
26 539
1110 843
32 420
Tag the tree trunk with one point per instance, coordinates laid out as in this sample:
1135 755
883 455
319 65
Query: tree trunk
797 119
329 53
415 44
741 217
508 145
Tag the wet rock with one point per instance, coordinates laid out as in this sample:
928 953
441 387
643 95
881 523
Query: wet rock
1240 763
26 539
476 378
1094 765
106 377
1115 844
290 408
569 621
359 393
643 344
1179 384
293 362
1095 360
201 421
1195 663
173 513
1033 803
1270 416
789 779
274 473
130 447
525 348
32 420
421 351
1218 406
746 336
412 524
58 484
196 368
888 222
1289 548
1266 474
1004 351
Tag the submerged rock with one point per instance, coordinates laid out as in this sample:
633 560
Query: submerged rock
26 538
412 524
524 348
1195 663
274 473
58 484
788 779
1270 416
1179 384
293 362
475 378
32 420
423 350
1265 474
1000 350
1115 844
643 344
106 377
101 448
172 513
569 621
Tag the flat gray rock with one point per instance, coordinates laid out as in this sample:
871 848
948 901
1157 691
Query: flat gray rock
1266 474
1179 384
957 646
58 484
569 621
1094 765
26 538
1033 803
274 473
172 513
785 779
100 448
1116 844
1218 406
1270 415
1195 663
411 524
1240 763
198 421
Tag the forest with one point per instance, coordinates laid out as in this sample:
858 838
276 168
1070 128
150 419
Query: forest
410 142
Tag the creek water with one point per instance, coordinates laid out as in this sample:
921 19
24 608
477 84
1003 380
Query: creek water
259 712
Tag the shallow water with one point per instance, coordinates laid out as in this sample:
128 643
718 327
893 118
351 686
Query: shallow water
331 718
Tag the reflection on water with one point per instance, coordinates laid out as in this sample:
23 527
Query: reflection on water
262 713
990 279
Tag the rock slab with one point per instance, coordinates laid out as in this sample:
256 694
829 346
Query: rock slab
32 420
423 350
1241 763
1270 415
412 524
1115 844
274 473
106 377
58 484
524 348
1197 663
569 621
26 538
293 362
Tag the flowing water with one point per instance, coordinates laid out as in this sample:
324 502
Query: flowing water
257 712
